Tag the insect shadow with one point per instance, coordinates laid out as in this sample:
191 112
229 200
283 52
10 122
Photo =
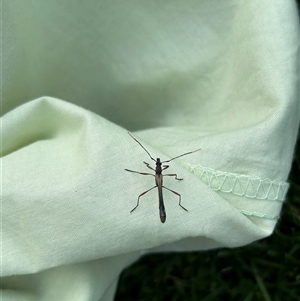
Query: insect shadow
159 180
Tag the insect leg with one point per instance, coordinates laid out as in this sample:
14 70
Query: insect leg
148 165
138 201
178 195
173 175
141 173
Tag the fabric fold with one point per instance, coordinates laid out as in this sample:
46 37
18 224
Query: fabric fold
68 173
179 75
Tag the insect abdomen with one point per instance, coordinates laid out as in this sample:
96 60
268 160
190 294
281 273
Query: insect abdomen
162 214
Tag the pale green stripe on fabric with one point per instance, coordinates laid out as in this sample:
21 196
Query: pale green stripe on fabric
257 214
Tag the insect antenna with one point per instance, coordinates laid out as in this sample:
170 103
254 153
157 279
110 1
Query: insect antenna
181 155
141 146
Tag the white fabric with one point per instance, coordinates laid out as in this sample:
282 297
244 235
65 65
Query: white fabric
181 75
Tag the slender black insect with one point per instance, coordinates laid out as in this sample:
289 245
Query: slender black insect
159 180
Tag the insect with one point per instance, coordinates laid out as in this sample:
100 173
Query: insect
159 180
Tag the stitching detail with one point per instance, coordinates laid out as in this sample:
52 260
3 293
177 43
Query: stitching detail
251 187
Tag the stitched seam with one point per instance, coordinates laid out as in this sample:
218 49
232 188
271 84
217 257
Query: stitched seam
251 187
